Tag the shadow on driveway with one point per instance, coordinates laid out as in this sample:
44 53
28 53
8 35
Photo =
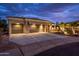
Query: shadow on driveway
71 49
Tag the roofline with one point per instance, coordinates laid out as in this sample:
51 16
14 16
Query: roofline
29 18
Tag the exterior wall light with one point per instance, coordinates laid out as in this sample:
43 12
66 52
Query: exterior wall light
33 26
17 25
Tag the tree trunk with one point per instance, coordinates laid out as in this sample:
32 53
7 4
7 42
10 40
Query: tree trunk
73 30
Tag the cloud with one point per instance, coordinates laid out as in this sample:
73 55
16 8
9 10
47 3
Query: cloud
3 9
53 12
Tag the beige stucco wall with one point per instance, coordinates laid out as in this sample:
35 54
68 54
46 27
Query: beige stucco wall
26 28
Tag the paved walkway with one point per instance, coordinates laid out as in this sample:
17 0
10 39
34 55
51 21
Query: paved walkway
35 43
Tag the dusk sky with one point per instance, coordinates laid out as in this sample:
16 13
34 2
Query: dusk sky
52 12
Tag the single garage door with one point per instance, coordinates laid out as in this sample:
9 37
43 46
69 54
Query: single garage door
17 28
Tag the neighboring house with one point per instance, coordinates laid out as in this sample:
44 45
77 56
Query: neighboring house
19 25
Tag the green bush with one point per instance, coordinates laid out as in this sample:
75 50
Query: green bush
69 31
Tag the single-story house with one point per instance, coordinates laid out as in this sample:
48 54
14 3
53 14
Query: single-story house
18 25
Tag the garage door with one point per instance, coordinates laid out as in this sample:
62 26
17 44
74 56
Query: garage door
17 28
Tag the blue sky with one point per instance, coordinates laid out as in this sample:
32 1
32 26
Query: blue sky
54 12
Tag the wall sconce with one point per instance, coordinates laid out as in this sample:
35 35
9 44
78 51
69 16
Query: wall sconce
33 26
17 25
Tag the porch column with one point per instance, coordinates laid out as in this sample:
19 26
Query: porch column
24 28
41 28
45 28
10 28
50 28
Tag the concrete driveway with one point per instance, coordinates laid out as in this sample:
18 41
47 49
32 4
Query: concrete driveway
24 39
35 43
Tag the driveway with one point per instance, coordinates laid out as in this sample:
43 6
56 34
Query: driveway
24 39
34 43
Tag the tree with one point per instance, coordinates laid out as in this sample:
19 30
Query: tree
63 27
3 25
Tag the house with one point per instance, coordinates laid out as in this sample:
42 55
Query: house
18 25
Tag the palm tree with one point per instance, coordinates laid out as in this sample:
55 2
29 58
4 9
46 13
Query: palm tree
73 25
62 26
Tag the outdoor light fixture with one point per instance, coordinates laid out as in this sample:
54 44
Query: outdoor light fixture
52 24
65 33
18 25
33 26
